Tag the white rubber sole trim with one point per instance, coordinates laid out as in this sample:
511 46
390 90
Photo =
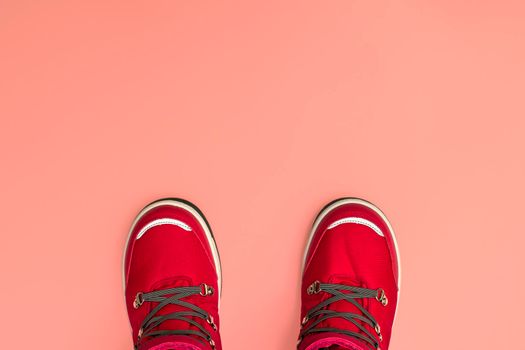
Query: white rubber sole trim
344 201
160 222
358 221
200 219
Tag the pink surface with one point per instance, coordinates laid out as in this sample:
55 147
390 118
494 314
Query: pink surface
260 112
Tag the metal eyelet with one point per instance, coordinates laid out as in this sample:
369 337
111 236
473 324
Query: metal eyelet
377 328
299 340
314 288
209 319
381 297
141 332
139 300
212 343
304 321
206 290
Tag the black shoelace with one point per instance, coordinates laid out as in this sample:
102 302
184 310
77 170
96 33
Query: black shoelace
174 296
340 292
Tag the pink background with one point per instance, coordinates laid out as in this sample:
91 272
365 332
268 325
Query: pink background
260 113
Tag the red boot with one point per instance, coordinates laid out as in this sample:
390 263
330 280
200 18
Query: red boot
172 278
350 279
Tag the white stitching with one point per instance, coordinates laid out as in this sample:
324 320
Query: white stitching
359 221
166 221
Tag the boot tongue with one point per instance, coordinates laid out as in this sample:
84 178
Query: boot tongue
197 300
346 307
336 341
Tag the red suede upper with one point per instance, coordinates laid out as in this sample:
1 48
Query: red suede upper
168 256
355 255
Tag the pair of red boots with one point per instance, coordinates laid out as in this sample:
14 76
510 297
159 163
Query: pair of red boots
350 281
